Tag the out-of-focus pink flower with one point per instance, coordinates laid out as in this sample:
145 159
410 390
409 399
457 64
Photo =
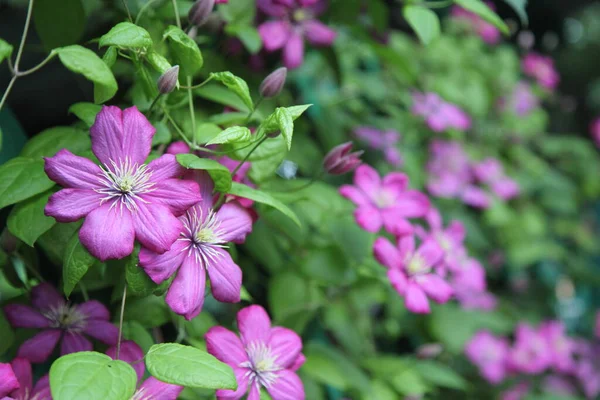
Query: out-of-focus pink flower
8 380
491 172
20 378
439 114
411 271
521 101
558 385
179 147
450 239
517 392
263 356
385 141
595 131
488 32
470 299
295 21
542 69
384 202
59 319
489 353
340 160
560 346
530 353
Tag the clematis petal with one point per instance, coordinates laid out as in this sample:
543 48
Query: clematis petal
298 363
367 179
44 296
104 331
156 227
137 135
22 316
236 222
93 309
435 287
456 231
412 204
434 219
178 147
415 299
153 389
160 267
293 52
288 386
71 171
38 348
70 205
274 34
177 194
225 345
41 390
254 324
165 167
241 375
431 252
285 345
368 218
354 194
396 224
254 393
23 373
186 293
225 277
129 352
318 34
108 232
406 246
398 280
476 197
74 343
395 182
8 379
386 253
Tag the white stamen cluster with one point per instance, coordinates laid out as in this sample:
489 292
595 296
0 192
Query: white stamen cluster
124 183
65 317
416 266
203 234
262 366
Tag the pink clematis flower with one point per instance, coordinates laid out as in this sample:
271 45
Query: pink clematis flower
124 199
385 202
450 239
59 319
411 271
151 388
295 21
542 69
21 382
384 141
491 172
521 101
200 249
439 114
489 353
488 32
561 347
263 356
530 353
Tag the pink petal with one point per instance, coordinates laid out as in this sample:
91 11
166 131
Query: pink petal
22 316
186 293
70 205
254 393
293 52
318 34
108 233
236 222
412 204
44 296
434 219
395 182
93 309
368 218
415 299
74 343
254 325
406 246
285 345
22 371
225 277
160 267
274 34
156 227
153 389
165 167
8 380
386 253
476 197
179 147
129 352
288 386
367 179
241 375
225 346
177 194
435 287
38 348
395 224
398 280
299 362
71 171
104 331
41 391
431 252
354 194
456 231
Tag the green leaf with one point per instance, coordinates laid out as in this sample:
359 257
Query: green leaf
218 172
5 50
148 311
133 330
424 22
221 95
247 192
110 57
206 132
77 261
158 62
236 85
234 134
27 220
47 143
91 376
59 22
272 123
6 333
185 51
137 280
248 35
440 375
188 366
55 241
84 61
22 178
480 8
286 124
519 7
127 36
86 112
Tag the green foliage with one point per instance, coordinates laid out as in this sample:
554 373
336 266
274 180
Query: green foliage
59 22
184 50
247 192
27 220
22 178
5 50
219 173
480 8
236 84
86 112
127 36
50 141
424 22
234 134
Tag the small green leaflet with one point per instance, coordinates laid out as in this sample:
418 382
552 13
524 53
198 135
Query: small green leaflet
218 172
5 50
86 112
286 124
423 21
234 134
480 8
184 50
128 36
236 85
247 192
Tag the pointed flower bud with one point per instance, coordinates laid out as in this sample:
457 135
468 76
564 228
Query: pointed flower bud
200 12
271 86
340 161
168 80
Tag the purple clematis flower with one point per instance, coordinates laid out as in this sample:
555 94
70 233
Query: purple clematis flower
530 353
489 353
438 114
561 347
263 356
23 379
59 319
201 249
450 239
488 32
295 21
8 380
384 202
411 271
124 199
542 69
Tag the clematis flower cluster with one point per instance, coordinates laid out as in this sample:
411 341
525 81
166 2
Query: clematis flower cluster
291 23
16 382
438 114
488 32
384 141
522 101
542 69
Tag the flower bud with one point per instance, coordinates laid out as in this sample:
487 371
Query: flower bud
200 12
340 161
271 86
168 80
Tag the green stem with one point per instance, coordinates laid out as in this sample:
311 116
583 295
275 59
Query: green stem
261 141
121 320
176 14
7 91
309 183
130 20
260 99
37 67
154 102
192 112
179 131
143 10
198 85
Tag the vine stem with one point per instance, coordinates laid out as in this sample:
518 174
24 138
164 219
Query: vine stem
261 141
192 113
176 13
121 320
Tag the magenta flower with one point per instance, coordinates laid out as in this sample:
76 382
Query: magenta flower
124 199
201 249
595 131
542 69
491 172
385 202
521 101
21 382
560 346
439 114
295 22
263 356
179 147
59 319
340 160
411 272
385 141
488 32
530 353
489 353
151 388
450 239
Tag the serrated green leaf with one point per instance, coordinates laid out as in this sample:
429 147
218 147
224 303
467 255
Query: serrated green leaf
27 220
234 134
218 172
5 50
77 261
47 143
22 178
206 132
480 8
247 192
127 36
236 85
185 51
272 124
188 366
91 376
86 112
424 22
286 124
59 22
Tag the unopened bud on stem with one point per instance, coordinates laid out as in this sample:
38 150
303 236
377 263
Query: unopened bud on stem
168 80
271 86
200 12
340 161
